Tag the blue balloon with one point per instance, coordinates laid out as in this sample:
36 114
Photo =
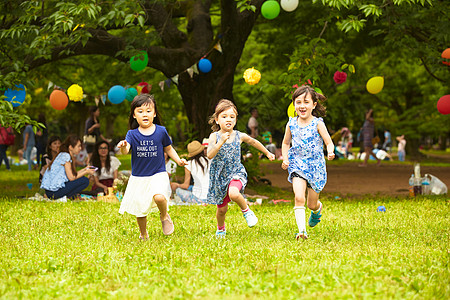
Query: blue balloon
16 96
381 208
117 94
205 65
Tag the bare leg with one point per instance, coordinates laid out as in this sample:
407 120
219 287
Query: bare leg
220 215
299 188
236 196
313 200
142 223
161 202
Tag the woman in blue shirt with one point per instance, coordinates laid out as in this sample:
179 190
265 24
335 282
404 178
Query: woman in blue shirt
61 178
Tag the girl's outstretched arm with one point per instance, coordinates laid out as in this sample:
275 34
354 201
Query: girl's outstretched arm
327 139
257 144
123 146
285 145
213 146
174 155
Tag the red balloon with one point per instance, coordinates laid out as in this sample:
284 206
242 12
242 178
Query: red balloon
446 55
144 87
58 100
443 105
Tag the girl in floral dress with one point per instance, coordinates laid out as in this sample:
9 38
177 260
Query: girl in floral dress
227 175
305 158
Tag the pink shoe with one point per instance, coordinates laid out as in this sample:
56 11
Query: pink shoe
167 226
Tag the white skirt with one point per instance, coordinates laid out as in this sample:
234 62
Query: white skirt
138 198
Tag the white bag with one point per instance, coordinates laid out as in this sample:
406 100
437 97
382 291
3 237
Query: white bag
437 186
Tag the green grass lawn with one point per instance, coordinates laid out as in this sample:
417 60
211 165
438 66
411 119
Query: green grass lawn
87 250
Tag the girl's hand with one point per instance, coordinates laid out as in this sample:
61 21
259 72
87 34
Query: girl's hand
270 156
90 170
225 136
105 190
331 156
285 164
182 162
122 143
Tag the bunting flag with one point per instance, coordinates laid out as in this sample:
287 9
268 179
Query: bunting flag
218 47
195 68
103 97
50 85
96 101
190 71
161 85
168 82
175 79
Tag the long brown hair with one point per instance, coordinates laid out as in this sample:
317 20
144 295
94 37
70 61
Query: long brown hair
222 106
138 101
320 110
71 140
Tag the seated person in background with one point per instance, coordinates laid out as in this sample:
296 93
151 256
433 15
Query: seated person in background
198 166
61 179
171 166
82 158
268 143
52 150
107 168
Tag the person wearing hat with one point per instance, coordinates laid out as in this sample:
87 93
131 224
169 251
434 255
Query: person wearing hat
198 168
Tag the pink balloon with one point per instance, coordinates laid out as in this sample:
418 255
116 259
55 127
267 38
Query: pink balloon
443 105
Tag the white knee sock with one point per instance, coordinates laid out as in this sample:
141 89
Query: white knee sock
299 212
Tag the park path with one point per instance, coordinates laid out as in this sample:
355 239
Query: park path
350 180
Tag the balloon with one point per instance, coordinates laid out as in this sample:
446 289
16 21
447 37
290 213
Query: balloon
289 5
16 96
270 9
204 65
131 93
117 94
144 87
443 105
58 100
375 84
381 208
446 55
139 62
339 77
252 76
75 93
291 111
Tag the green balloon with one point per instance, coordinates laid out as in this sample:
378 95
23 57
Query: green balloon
270 9
139 62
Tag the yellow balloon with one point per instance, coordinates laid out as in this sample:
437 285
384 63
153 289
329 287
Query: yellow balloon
291 111
75 93
252 76
375 84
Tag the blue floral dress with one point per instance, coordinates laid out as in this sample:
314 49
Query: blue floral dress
225 166
306 156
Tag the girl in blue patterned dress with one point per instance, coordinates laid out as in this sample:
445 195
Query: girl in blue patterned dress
227 175
305 159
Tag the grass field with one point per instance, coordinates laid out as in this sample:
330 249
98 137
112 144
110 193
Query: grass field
87 250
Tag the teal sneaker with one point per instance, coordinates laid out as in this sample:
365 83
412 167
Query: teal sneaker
220 234
301 235
250 218
314 219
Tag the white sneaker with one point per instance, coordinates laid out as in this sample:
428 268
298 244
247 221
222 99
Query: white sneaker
250 218
62 199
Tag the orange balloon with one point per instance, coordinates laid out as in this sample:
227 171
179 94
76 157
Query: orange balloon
58 100
446 55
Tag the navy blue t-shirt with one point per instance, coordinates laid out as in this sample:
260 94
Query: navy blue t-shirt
147 151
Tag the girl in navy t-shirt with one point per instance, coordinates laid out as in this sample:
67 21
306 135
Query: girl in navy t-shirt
149 186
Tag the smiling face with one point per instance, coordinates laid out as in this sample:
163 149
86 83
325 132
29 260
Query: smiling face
304 106
144 115
227 119
103 150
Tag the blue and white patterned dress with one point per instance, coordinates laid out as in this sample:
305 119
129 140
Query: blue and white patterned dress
306 156
225 166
